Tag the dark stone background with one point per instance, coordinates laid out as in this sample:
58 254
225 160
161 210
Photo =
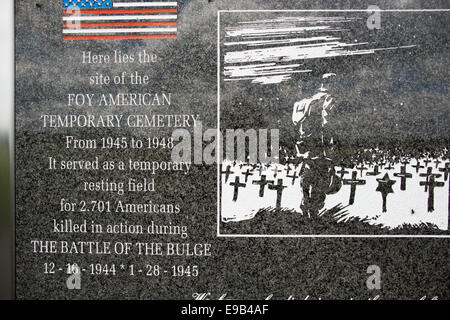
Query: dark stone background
47 68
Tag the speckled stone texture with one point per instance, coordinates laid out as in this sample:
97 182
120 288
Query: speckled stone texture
48 68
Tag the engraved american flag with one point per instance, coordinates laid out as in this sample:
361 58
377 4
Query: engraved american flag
108 19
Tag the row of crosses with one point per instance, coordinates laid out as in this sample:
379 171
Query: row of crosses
249 171
384 184
262 183
279 187
417 166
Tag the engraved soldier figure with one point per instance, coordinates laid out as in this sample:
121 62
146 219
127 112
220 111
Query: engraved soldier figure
311 116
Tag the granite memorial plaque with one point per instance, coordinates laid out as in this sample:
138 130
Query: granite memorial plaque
231 150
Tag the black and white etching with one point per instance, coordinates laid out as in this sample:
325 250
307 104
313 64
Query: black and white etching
361 105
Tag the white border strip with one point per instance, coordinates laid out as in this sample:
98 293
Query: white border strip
341 10
224 235
218 125
221 235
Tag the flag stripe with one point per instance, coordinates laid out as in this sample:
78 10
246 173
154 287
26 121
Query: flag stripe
119 30
144 4
138 17
115 11
106 19
118 36
121 24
